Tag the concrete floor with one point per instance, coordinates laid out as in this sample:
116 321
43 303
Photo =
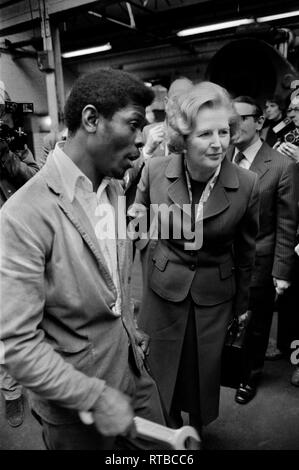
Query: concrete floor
269 422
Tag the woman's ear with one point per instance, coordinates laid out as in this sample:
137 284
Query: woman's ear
90 118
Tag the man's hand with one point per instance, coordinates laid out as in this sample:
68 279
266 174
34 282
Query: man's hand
142 342
280 285
290 150
155 136
112 413
297 249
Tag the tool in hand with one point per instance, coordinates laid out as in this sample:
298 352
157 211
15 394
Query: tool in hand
184 438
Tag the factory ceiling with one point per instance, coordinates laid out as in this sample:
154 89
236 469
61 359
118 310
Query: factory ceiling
131 25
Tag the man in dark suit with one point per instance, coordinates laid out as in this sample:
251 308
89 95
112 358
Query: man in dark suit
276 237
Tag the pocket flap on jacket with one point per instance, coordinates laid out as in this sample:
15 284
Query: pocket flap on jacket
226 269
160 258
160 262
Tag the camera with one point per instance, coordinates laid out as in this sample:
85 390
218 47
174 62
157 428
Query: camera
15 138
292 137
284 126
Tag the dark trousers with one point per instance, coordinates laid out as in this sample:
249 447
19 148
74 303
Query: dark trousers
261 304
78 436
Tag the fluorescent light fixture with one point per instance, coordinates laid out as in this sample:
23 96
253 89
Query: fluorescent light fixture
215 27
90 50
279 16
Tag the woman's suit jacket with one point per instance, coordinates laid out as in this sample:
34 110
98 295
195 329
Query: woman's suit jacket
216 277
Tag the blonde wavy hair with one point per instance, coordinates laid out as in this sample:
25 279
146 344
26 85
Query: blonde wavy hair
202 95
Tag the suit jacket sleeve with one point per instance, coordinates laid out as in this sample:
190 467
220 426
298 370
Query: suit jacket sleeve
29 358
286 223
244 249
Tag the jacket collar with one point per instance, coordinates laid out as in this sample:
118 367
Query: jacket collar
262 160
218 200
76 214
260 164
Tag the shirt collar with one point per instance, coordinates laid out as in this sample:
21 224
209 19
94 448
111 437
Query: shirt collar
104 184
251 151
71 175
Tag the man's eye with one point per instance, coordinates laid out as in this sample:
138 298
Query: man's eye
135 125
224 132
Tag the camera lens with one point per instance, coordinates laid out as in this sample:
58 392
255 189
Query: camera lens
290 137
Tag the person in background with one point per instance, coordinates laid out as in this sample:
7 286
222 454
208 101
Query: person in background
288 305
276 237
274 114
199 268
158 137
16 168
67 326
290 145
294 303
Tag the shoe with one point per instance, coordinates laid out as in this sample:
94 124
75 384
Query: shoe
295 377
245 393
14 411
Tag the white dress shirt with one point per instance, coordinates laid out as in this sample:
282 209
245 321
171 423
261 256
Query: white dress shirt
249 154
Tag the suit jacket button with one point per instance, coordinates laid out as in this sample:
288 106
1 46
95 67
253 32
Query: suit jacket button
192 267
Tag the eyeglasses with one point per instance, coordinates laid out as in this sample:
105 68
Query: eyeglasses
245 116
293 109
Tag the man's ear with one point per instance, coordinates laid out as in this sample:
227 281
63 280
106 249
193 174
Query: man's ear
90 118
260 122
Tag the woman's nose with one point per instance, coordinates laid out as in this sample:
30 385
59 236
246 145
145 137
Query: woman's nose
216 140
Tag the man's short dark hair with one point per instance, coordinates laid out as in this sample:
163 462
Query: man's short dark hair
249 100
108 90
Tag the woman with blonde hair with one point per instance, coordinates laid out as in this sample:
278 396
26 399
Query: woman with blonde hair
199 267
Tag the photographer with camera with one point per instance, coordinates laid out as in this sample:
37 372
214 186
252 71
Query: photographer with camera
17 165
290 146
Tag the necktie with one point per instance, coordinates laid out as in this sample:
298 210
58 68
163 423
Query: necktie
238 158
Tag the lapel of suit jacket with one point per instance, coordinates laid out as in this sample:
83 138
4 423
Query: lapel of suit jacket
177 190
218 200
76 214
260 164
230 153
